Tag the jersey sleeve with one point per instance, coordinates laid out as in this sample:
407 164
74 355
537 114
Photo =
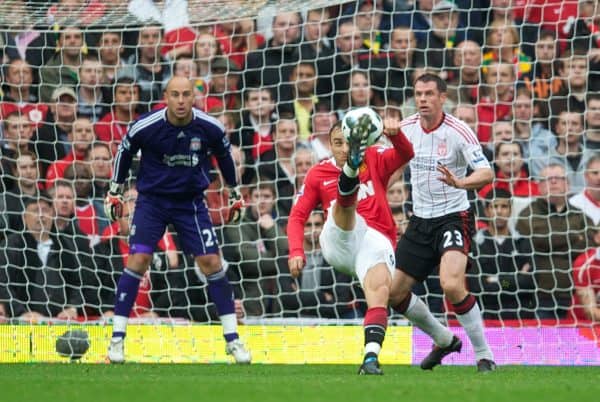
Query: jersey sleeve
391 159
222 151
472 152
307 199
130 145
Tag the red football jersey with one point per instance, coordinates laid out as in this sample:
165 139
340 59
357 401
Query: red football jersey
586 273
320 188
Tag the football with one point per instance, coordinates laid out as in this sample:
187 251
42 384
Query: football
352 118
73 344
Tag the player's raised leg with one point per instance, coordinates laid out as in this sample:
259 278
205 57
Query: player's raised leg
452 279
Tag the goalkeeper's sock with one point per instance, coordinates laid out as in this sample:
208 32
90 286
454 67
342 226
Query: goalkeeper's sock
221 293
413 308
468 314
127 291
375 324
348 185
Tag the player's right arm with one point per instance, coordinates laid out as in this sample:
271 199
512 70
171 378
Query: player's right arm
113 203
307 199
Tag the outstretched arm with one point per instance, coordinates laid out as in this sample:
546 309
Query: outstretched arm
479 178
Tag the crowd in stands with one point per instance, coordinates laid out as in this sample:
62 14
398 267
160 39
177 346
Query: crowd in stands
526 80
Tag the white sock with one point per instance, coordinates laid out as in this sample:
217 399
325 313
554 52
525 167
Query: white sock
120 323
472 322
418 313
372 347
229 323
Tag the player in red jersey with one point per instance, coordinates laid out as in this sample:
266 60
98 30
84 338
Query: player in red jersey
359 235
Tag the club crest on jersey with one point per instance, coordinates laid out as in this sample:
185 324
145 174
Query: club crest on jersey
442 149
195 144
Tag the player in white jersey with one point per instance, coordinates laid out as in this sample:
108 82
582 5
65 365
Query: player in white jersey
439 232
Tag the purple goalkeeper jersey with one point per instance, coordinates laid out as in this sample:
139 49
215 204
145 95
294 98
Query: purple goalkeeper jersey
175 160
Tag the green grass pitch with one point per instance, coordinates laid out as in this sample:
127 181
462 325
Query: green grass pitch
263 383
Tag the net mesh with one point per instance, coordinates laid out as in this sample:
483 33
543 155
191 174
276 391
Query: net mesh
75 74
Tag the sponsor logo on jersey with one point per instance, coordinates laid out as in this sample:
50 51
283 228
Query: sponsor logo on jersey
180 135
328 182
365 190
423 163
181 160
442 148
195 144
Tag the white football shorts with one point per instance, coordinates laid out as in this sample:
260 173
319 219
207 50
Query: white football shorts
356 251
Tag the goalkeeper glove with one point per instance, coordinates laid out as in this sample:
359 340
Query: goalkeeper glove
113 203
236 205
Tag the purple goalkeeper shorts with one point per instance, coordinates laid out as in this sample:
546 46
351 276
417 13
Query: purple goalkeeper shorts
189 217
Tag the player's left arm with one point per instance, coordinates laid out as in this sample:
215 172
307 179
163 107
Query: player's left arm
482 171
402 151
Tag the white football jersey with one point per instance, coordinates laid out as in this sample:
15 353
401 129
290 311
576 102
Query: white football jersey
452 144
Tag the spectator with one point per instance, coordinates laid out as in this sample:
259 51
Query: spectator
401 220
502 132
12 201
544 80
79 173
62 70
147 67
317 48
586 276
502 46
359 92
39 271
20 96
269 66
503 278
255 135
574 71
82 136
558 235
588 199
568 152
17 140
99 158
110 52
237 39
467 113
206 48
259 248
322 121
304 159
464 84
397 193
51 141
66 224
224 84
276 165
511 172
303 80
392 74
583 35
495 104
592 122
319 290
420 19
91 100
527 128
113 126
348 45
440 39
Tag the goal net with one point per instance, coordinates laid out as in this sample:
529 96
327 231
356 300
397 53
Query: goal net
278 75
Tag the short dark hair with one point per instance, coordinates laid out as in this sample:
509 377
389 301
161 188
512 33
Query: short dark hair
336 125
429 77
496 192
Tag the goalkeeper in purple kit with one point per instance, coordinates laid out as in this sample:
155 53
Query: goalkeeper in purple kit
177 145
